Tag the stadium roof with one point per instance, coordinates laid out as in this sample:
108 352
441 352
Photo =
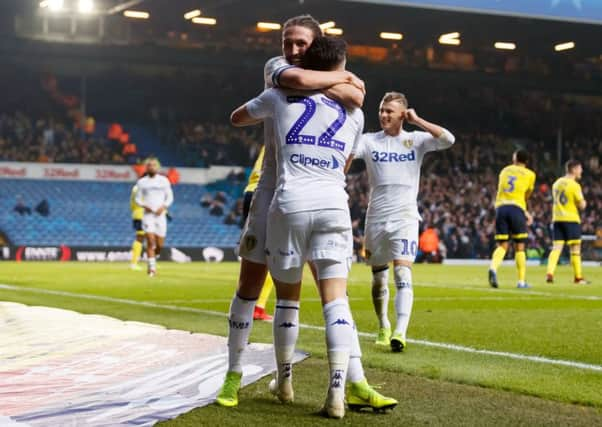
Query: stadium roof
361 21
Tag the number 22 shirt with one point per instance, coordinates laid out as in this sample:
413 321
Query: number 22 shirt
314 136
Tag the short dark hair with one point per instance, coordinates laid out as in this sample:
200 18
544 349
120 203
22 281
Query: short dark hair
522 156
324 54
306 21
571 164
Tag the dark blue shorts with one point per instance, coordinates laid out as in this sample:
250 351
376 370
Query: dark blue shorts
510 223
569 232
137 224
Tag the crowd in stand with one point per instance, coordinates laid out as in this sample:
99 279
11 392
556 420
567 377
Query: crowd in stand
204 144
25 139
459 185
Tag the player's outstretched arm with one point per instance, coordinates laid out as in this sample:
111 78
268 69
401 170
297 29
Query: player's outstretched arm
347 94
241 117
302 79
255 110
342 86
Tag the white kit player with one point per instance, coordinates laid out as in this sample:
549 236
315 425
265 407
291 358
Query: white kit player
155 196
298 34
393 159
309 217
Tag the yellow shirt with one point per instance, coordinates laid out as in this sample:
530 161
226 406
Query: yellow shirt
567 196
137 211
515 182
256 172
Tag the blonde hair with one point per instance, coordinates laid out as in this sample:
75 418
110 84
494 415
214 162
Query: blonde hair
395 97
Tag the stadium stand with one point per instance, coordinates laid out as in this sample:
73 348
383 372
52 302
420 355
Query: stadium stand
97 214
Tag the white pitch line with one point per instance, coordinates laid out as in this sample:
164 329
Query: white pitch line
434 344
514 291
484 298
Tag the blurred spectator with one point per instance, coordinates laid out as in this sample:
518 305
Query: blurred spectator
43 208
21 208
47 140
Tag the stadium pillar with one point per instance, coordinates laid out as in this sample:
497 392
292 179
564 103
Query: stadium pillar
559 147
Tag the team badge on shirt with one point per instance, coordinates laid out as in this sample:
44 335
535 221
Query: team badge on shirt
408 143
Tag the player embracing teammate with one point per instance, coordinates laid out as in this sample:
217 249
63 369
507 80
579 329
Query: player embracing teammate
296 125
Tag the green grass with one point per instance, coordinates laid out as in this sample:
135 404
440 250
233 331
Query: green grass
435 385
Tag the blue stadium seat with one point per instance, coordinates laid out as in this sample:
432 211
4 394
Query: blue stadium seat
97 214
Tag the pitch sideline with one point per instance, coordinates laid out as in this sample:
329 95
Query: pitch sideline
434 344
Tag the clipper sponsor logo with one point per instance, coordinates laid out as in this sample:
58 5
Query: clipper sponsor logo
386 157
303 160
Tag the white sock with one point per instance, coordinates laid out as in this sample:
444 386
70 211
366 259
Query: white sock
355 371
286 331
404 298
380 296
339 332
152 264
241 322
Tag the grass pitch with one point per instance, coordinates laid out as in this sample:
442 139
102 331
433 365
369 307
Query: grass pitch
439 380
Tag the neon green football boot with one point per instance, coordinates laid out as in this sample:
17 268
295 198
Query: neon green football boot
384 337
228 395
361 395
398 343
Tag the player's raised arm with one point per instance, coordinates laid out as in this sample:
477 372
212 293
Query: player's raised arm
443 136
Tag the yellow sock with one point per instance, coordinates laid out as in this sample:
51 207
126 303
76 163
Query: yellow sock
497 258
521 265
576 263
265 292
553 261
136 251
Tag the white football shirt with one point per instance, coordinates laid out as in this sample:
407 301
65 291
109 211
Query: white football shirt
154 192
393 164
314 136
267 178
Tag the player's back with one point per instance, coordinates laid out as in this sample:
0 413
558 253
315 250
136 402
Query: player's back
314 137
567 194
514 183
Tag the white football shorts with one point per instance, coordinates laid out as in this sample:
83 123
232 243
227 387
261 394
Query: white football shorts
323 236
391 240
154 224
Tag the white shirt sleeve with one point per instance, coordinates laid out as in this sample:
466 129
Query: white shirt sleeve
427 142
272 70
168 194
263 106
356 151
